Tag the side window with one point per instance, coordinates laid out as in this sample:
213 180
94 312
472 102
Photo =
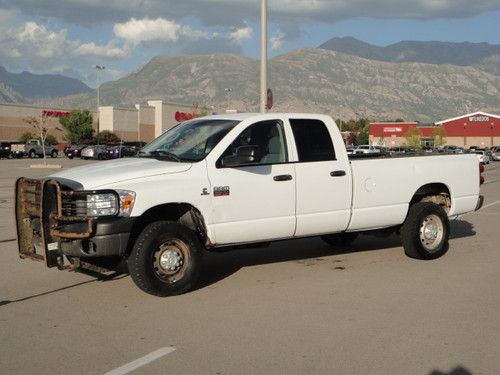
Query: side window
313 140
267 138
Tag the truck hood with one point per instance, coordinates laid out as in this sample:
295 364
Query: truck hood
100 174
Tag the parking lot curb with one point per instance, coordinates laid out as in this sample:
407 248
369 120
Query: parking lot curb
49 166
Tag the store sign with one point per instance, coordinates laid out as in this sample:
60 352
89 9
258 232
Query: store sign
479 119
393 130
183 116
49 113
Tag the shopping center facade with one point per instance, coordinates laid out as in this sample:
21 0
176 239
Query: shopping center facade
144 122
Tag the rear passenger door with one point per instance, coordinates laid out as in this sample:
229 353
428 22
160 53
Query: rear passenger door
323 179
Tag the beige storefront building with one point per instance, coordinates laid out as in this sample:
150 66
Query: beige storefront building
144 122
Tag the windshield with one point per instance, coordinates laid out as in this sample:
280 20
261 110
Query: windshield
188 141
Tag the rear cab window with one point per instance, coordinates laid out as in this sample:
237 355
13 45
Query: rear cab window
313 140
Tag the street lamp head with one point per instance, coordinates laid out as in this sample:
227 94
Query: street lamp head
99 67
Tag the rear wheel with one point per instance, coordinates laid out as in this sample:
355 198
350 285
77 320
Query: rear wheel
340 239
425 231
32 154
166 259
54 154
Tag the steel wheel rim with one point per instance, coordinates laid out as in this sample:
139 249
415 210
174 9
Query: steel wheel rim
431 233
170 259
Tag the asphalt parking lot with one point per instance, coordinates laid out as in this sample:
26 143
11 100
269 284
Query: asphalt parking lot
296 307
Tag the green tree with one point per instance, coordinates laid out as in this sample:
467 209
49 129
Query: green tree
106 137
439 135
363 136
78 125
199 111
26 136
413 138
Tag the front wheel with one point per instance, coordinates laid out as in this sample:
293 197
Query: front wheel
425 232
166 259
54 154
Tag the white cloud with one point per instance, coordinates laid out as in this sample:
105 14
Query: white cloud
241 35
137 31
277 41
107 52
37 40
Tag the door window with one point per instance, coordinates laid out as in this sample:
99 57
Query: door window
266 138
313 140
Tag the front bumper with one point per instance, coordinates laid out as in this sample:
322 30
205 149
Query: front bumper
47 229
109 238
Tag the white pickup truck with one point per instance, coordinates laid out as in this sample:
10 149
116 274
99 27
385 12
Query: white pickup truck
34 148
237 180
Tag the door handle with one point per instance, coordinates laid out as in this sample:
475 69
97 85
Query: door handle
282 177
337 173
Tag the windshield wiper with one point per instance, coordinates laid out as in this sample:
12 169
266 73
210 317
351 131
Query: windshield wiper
164 155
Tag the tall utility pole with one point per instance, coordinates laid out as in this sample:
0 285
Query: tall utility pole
263 56
98 68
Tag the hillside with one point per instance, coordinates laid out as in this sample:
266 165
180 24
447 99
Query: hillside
26 87
307 80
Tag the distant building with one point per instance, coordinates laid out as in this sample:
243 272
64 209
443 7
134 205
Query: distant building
143 123
473 129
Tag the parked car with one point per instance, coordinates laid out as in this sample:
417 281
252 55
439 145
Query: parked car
124 149
400 150
99 152
495 154
483 156
74 151
6 149
366 149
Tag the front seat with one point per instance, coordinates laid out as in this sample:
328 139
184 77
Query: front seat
275 151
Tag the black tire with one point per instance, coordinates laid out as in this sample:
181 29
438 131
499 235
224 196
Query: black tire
70 156
180 268
426 231
54 154
32 154
340 239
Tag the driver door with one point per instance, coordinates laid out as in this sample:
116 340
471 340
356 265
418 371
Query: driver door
255 202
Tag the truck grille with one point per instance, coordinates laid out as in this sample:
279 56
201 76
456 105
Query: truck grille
73 205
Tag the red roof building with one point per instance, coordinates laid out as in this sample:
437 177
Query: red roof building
474 129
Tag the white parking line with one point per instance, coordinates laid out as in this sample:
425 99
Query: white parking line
148 358
489 205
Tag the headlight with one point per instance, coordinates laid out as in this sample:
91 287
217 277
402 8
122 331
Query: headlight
110 204
102 204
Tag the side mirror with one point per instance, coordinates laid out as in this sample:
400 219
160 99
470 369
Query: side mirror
245 155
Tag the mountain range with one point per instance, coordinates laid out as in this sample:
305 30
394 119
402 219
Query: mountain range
484 56
307 80
347 78
26 87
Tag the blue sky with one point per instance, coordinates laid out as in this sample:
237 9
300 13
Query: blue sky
68 37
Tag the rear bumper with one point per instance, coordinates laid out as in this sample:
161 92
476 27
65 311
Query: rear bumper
480 201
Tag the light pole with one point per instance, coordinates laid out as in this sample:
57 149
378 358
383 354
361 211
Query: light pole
263 56
98 68
228 95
